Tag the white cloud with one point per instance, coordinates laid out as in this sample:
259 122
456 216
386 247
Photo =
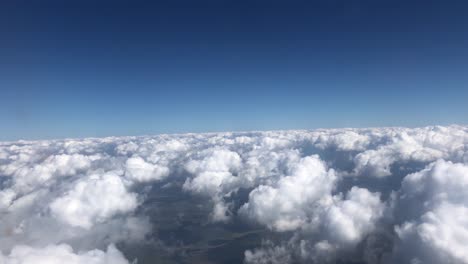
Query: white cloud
27 175
63 253
292 202
345 140
434 206
6 198
349 219
323 193
269 255
214 177
420 144
94 200
139 170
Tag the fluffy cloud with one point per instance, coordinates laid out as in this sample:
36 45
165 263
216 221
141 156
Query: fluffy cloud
139 170
349 219
63 253
304 202
27 176
293 202
214 176
269 255
374 195
420 145
434 207
214 170
93 201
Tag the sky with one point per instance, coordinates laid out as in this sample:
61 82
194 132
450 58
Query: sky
109 68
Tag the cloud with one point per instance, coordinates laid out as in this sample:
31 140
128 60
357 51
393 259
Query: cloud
372 195
94 200
348 219
433 204
138 169
28 175
213 170
304 202
63 253
214 176
270 254
420 144
293 201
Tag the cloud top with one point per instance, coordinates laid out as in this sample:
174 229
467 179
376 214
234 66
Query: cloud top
374 195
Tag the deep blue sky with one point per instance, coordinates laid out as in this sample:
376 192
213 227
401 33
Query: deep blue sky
101 68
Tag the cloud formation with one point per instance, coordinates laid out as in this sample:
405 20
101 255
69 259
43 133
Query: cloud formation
435 223
58 254
93 200
376 195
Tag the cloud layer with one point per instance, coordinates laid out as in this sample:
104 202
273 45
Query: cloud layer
377 195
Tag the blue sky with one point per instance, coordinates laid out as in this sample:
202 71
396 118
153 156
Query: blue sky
132 67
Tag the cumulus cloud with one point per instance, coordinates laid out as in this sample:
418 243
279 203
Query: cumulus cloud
140 170
94 200
214 176
373 195
29 175
214 170
304 202
63 253
420 144
294 200
348 219
434 208
270 254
